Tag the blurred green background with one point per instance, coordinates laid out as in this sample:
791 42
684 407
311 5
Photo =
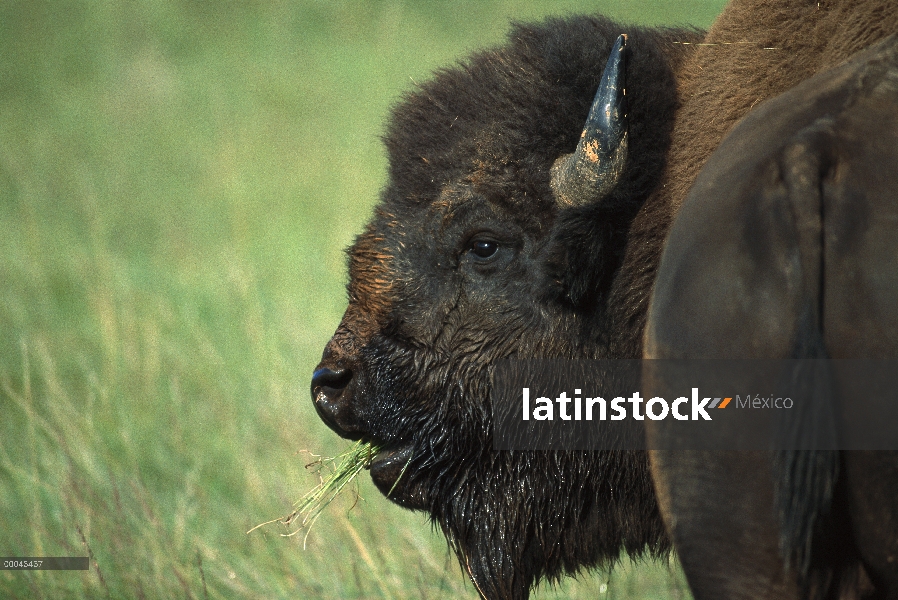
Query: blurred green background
177 183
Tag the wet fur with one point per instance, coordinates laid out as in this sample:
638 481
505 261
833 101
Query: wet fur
480 138
475 144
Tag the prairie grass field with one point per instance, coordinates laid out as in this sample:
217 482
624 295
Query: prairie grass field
178 180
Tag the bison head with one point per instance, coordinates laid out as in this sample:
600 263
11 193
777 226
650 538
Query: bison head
502 233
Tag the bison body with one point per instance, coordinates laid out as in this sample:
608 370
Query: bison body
787 237
474 255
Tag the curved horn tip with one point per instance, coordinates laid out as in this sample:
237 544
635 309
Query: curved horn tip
598 162
609 107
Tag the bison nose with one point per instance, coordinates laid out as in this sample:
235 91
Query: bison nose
332 400
332 381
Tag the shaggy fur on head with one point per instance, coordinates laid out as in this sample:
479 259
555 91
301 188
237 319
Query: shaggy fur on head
470 154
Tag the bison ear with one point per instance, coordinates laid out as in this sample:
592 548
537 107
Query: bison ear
596 165
581 256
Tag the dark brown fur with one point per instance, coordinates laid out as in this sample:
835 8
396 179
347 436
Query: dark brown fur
798 177
759 49
470 153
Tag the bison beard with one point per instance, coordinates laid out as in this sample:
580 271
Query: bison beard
510 517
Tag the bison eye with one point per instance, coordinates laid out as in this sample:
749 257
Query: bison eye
484 249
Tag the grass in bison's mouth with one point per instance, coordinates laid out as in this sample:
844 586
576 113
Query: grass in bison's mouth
334 474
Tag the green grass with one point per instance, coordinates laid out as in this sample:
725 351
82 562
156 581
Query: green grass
177 183
335 473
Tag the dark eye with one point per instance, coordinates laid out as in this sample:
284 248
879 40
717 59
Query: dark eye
484 249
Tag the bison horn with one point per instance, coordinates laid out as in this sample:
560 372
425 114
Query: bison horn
597 163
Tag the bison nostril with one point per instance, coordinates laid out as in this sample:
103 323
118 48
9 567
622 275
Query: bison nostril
333 401
334 380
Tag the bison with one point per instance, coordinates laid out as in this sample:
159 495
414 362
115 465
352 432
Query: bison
508 229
